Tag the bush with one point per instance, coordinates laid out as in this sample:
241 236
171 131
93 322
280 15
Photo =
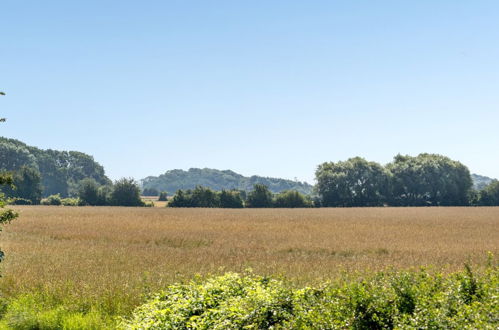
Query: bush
52 200
260 196
32 312
70 202
230 199
402 300
163 196
291 199
489 196
126 192
20 201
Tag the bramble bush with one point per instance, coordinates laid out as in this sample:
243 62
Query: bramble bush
387 300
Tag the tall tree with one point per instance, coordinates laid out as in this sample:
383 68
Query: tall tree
429 179
355 182
26 185
260 196
489 196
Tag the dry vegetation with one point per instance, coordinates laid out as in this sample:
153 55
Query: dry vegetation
113 256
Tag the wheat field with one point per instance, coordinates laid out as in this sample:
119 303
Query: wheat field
115 256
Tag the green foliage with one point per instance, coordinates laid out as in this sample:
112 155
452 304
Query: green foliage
32 312
292 199
126 192
489 196
6 215
91 193
226 302
19 201
163 196
230 199
52 200
259 197
26 185
401 300
205 197
355 182
70 201
219 180
425 180
429 180
60 171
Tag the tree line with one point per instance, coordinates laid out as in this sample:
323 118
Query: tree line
55 172
424 180
259 197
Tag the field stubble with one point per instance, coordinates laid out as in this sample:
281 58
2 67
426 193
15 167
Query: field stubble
112 257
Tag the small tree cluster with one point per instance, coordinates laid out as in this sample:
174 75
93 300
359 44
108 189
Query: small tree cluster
205 197
26 187
259 197
424 180
124 192
163 196
489 196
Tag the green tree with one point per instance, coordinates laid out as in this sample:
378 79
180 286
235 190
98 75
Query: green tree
230 199
27 185
163 196
429 179
88 192
259 197
291 199
126 192
180 199
489 196
204 197
6 215
355 182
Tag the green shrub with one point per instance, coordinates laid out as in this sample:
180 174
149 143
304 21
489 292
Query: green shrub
30 311
20 201
52 200
163 196
70 201
401 300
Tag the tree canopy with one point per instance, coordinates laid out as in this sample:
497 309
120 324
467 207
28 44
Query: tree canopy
354 182
60 171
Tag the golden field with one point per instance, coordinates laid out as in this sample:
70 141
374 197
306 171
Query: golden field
114 256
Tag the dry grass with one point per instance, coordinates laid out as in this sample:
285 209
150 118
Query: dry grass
112 255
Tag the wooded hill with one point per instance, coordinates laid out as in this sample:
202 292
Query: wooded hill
60 171
174 180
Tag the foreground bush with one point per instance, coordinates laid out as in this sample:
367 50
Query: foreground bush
405 300
31 311
52 200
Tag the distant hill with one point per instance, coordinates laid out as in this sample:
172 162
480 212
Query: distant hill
60 171
173 180
480 181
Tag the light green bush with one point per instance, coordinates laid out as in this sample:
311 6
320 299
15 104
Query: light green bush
70 201
31 312
400 300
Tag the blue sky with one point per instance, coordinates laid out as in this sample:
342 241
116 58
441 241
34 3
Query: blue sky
271 88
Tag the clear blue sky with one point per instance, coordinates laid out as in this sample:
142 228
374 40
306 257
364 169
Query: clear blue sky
260 87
